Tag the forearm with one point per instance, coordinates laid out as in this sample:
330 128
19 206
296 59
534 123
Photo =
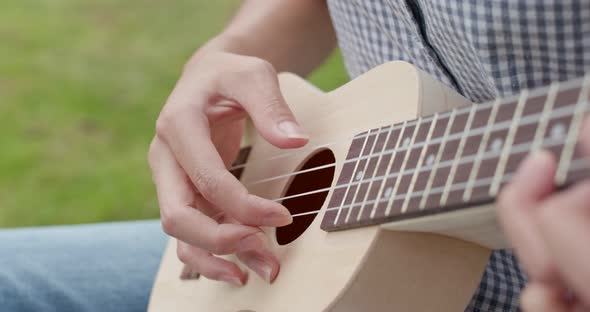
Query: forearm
294 36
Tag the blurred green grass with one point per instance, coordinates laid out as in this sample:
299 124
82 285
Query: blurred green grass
81 84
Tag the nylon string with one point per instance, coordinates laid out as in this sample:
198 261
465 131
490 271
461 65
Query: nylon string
577 164
530 119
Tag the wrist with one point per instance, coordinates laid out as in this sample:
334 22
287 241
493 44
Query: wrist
223 42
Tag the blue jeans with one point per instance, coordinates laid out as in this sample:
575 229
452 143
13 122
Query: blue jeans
100 267
111 267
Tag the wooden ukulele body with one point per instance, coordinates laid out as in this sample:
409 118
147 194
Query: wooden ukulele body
370 268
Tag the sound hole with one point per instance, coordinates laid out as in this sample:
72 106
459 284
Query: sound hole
302 183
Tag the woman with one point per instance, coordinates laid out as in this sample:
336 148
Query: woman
482 50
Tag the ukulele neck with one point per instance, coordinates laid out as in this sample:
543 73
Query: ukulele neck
457 159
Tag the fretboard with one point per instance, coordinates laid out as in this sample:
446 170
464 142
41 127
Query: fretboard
457 159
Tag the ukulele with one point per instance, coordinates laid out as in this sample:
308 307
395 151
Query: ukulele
392 198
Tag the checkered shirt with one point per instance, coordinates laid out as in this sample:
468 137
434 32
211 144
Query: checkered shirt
483 49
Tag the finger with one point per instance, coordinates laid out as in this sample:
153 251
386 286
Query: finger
209 265
539 297
171 185
261 260
256 254
515 206
255 86
184 222
564 222
585 136
226 137
188 137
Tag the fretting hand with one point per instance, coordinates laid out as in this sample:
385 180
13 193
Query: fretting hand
198 135
550 233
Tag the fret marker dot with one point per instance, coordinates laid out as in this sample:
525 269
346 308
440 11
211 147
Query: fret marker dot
387 192
557 131
406 142
430 160
359 175
496 145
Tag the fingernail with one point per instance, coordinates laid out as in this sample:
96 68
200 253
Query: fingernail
292 130
280 217
252 242
234 280
262 268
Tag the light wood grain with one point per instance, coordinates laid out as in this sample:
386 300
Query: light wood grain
476 225
369 269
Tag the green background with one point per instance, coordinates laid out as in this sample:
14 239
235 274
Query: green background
81 84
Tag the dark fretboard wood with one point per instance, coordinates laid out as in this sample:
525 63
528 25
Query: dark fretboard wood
457 159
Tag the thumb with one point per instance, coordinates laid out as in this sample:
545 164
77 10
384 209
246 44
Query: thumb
275 122
516 204
260 95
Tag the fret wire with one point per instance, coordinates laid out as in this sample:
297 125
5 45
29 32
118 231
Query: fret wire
508 143
453 187
577 164
482 148
523 147
436 161
364 171
560 112
397 143
544 119
573 133
419 163
403 166
458 154
580 163
351 179
380 157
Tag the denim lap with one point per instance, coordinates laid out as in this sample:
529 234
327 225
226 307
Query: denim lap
97 267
